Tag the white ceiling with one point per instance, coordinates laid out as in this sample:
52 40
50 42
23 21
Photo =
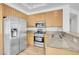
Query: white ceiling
34 7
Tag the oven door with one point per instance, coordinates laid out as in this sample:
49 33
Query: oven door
39 39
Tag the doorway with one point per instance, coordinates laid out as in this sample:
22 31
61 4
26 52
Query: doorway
73 23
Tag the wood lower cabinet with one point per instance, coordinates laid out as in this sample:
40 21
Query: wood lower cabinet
55 51
1 30
30 37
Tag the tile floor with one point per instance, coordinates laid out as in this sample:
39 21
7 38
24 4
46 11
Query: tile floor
33 51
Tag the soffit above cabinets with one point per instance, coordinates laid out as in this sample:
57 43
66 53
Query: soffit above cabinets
31 8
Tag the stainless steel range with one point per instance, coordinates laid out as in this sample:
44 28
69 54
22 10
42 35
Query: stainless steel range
39 34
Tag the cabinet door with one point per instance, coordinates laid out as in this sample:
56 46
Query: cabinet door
54 18
30 39
34 18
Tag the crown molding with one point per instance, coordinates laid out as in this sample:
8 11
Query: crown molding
47 10
41 11
15 7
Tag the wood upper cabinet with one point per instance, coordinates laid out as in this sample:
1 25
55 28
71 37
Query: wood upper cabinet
8 11
54 18
34 18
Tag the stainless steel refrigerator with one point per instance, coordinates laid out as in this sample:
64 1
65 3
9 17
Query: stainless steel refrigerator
15 37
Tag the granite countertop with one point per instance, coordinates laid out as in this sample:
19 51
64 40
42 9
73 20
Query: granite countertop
47 29
63 40
74 34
